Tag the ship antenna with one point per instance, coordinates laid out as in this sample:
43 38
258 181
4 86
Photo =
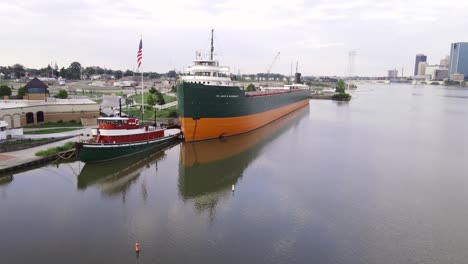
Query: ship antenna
212 47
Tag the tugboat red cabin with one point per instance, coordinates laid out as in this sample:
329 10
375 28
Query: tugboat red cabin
113 130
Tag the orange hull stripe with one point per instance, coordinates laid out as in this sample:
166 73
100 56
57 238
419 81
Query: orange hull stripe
208 128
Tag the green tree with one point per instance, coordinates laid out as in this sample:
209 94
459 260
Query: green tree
251 88
128 73
74 71
154 75
161 100
171 74
150 100
21 92
90 70
18 70
340 86
5 90
99 70
152 90
64 73
62 94
118 74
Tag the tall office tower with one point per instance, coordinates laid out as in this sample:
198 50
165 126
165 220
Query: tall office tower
419 58
459 59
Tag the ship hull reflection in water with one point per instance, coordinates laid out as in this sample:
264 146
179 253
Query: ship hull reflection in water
114 177
209 168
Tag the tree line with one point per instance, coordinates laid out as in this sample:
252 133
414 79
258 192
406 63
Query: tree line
73 72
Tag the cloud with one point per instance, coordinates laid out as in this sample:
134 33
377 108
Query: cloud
248 33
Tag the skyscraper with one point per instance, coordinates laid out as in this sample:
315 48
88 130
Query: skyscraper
419 58
459 58
445 62
392 74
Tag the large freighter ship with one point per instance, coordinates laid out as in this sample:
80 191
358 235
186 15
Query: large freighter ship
212 105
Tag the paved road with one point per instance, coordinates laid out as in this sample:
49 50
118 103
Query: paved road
84 131
46 128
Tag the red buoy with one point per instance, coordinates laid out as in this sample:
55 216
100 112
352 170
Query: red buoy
137 247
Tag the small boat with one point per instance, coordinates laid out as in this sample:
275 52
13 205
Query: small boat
118 137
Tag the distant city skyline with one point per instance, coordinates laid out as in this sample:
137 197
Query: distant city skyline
248 34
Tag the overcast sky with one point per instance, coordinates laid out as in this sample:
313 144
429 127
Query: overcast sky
248 34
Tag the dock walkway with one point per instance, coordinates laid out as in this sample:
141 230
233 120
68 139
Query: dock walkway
25 156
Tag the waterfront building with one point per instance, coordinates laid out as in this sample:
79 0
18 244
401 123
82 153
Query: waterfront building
445 62
430 71
459 58
20 113
421 68
392 74
457 77
440 74
419 58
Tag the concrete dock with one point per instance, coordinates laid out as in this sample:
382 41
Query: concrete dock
18 159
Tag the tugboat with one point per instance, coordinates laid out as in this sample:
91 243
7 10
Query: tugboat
118 137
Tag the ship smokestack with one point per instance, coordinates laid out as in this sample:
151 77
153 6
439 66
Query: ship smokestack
297 78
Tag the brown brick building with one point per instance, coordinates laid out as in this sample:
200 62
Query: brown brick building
36 90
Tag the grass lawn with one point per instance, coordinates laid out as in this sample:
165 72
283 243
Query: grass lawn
149 114
50 151
57 124
49 131
167 98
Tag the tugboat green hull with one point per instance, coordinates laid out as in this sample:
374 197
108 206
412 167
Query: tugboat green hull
92 152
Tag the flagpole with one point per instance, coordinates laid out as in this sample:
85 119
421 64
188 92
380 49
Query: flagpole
142 90
142 97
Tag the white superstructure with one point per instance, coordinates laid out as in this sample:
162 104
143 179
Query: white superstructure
208 71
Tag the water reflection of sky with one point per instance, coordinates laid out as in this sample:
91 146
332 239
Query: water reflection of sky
379 180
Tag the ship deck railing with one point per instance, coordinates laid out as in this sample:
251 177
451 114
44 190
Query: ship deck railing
267 93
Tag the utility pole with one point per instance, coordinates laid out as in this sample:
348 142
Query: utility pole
290 75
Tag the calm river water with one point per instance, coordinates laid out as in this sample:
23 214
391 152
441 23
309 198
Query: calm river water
381 179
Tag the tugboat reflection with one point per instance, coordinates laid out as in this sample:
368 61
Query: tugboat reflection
209 168
115 177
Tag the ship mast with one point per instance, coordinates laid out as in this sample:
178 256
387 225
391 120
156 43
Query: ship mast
212 47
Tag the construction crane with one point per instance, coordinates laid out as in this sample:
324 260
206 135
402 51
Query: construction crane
273 62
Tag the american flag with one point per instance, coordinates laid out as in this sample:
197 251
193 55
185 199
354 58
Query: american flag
140 53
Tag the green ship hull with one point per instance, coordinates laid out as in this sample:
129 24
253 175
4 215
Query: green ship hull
91 152
212 166
210 111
